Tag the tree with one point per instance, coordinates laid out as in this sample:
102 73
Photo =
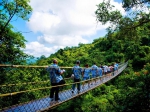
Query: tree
11 8
105 13
11 42
129 4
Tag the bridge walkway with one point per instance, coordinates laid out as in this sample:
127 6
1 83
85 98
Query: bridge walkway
45 103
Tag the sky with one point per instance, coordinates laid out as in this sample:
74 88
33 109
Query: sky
56 24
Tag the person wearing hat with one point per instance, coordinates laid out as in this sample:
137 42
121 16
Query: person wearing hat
77 71
55 74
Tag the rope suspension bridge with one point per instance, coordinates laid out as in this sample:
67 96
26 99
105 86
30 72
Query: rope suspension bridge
10 93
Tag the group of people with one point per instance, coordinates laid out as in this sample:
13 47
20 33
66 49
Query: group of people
87 73
78 74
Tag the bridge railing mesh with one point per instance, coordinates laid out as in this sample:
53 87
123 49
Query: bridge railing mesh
22 96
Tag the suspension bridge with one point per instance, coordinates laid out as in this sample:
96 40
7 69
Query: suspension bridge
44 103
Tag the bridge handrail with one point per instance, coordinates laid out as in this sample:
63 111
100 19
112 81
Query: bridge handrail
37 82
14 93
105 77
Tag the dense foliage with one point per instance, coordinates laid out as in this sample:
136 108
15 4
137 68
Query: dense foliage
11 41
128 38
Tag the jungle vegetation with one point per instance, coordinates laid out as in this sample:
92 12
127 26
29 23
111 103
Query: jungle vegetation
127 39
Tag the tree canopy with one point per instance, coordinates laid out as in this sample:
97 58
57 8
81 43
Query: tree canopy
11 42
128 38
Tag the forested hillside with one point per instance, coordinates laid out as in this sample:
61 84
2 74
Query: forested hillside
128 39
106 50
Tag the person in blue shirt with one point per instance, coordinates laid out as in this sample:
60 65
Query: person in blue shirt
94 71
77 71
99 72
86 74
116 65
55 74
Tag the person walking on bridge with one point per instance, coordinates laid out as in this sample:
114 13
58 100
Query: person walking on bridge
77 71
86 75
99 72
55 74
94 71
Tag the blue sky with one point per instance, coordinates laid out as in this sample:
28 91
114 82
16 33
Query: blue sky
55 24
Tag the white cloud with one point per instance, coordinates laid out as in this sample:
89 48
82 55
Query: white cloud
43 22
63 23
118 6
61 40
36 49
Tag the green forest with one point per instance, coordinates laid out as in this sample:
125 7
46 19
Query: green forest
127 39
